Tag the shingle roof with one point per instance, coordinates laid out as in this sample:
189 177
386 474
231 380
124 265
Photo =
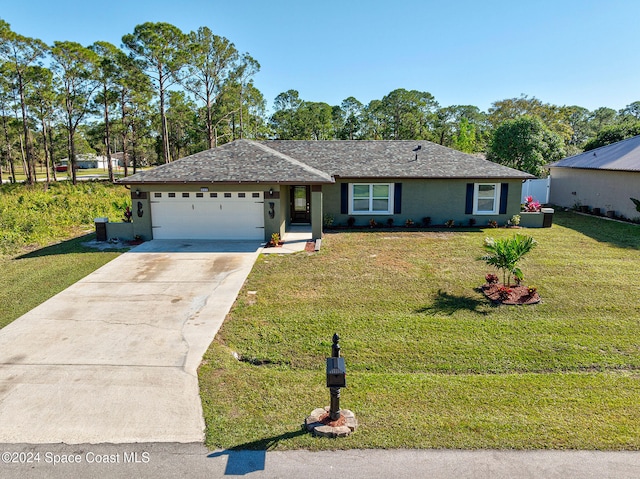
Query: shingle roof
292 161
622 156
241 161
392 159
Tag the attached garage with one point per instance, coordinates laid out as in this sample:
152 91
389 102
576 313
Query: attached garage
219 215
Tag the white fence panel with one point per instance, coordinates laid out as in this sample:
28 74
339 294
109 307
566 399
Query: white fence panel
539 189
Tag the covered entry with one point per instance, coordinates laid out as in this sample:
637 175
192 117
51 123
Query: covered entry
300 204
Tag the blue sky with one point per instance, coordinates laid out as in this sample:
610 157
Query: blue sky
566 52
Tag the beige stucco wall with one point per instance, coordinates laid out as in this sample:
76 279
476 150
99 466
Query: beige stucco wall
604 189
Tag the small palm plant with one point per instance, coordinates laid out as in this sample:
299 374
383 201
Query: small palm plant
505 253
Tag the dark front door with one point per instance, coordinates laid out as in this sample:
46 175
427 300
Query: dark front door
300 204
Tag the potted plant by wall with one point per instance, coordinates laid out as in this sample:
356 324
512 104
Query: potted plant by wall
275 240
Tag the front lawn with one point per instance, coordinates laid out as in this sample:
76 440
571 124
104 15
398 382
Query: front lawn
430 362
30 279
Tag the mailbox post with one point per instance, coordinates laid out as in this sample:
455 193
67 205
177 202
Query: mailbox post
336 378
331 421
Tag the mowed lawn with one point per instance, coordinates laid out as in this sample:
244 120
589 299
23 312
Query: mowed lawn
430 362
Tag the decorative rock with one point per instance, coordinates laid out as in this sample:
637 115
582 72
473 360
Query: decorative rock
315 423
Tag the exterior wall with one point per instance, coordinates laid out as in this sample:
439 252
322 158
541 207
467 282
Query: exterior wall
317 216
278 222
440 199
604 189
121 230
141 211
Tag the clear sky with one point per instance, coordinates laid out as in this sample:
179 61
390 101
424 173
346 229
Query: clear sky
565 52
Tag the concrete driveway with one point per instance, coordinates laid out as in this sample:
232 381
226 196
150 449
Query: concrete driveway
113 358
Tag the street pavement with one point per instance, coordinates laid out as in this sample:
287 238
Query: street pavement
167 460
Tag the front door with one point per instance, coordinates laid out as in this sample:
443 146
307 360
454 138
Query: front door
300 204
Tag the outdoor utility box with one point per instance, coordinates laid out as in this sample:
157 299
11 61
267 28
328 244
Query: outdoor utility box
336 373
101 228
547 217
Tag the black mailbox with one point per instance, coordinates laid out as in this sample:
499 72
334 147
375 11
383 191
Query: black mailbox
336 373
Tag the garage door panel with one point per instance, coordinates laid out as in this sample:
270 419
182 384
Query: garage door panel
207 217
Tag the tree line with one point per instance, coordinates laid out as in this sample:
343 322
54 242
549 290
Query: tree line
164 94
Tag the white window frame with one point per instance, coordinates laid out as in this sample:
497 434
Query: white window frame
477 198
370 211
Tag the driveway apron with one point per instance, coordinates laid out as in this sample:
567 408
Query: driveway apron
114 357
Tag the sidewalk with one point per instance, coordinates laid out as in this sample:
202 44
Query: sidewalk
295 240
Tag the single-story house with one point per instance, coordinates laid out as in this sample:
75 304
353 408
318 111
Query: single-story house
250 189
604 178
85 162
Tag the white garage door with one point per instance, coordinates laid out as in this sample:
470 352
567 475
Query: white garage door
208 215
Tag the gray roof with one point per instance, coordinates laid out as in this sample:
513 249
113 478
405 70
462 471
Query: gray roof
294 162
621 156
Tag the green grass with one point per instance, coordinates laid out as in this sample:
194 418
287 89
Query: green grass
30 279
430 362
37 260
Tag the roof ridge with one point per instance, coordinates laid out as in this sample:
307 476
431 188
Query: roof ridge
293 161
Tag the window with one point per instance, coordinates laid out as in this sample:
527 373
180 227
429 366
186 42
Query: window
199 195
157 195
374 198
242 195
227 195
255 195
172 195
213 195
487 198
185 195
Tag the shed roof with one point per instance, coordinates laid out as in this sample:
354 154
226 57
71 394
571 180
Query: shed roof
620 156
294 162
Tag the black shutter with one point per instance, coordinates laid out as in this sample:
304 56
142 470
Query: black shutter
468 209
397 198
344 198
504 192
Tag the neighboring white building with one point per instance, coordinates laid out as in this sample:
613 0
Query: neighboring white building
85 162
604 178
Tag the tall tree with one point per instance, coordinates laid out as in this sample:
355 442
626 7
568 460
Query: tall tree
285 120
161 49
351 110
42 98
525 144
19 53
242 77
631 111
409 114
74 65
107 73
6 100
181 121
134 94
612 134
211 64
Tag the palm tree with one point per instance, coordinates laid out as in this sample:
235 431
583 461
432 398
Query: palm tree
505 253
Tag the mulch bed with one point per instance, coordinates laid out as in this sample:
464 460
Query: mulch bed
516 294
326 420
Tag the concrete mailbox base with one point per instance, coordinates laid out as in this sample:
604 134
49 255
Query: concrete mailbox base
319 424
